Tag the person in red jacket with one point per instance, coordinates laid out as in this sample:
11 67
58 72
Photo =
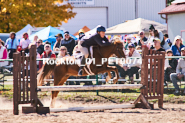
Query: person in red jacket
47 54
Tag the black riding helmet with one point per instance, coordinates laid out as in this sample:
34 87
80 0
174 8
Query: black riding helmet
101 28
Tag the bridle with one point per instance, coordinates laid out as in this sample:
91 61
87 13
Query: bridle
112 50
117 48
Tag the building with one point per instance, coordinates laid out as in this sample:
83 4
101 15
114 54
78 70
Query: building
175 16
111 12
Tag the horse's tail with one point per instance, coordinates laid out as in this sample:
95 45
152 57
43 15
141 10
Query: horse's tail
45 71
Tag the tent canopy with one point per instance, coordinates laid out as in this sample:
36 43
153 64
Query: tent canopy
134 26
85 28
20 32
48 34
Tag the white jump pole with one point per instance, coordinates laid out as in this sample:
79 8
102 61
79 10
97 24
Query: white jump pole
89 87
117 106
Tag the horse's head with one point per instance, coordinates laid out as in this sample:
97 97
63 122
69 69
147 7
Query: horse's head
118 50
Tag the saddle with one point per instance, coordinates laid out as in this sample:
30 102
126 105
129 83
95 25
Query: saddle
90 56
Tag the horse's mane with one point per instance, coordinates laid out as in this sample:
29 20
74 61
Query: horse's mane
117 41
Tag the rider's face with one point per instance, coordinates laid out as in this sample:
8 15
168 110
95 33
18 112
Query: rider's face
102 34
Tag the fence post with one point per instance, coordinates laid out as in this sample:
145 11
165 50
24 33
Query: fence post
144 69
97 84
16 65
33 77
160 101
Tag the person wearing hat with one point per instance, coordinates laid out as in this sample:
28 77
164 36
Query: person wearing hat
81 34
47 53
68 42
128 40
143 39
166 43
169 67
157 45
97 39
58 42
180 72
130 68
177 46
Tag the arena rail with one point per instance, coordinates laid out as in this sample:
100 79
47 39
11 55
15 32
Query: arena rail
25 89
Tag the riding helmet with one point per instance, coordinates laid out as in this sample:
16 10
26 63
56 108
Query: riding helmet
101 28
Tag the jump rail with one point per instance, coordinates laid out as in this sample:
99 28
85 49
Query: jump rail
151 84
92 108
91 87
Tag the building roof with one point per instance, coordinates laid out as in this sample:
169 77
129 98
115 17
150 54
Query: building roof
174 8
85 28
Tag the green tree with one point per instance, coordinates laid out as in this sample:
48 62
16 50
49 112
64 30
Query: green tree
169 2
15 14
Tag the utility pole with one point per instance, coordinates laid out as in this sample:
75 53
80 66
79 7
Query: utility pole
136 9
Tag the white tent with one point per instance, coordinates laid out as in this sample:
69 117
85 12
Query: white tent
20 32
91 32
134 26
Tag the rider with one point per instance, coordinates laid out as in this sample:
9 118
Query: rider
97 39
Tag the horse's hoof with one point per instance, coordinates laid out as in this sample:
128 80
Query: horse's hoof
115 80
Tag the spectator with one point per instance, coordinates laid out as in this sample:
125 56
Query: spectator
47 54
166 43
34 41
40 47
24 43
180 72
143 39
81 34
157 45
12 44
47 42
170 67
131 68
127 42
158 34
177 46
151 36
63 52
3 54
68 42
58 42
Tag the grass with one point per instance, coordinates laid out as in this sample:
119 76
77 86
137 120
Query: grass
117 97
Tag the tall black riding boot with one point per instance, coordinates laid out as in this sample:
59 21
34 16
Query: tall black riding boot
80 72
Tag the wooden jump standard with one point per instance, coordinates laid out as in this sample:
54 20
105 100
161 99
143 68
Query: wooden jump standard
25 89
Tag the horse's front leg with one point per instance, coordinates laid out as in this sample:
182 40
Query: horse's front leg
108 77
53 98
113 68
115 79
109 69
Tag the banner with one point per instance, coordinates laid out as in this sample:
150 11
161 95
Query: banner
80 2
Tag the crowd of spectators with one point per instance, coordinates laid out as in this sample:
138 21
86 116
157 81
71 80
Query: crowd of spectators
174 68
66 46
